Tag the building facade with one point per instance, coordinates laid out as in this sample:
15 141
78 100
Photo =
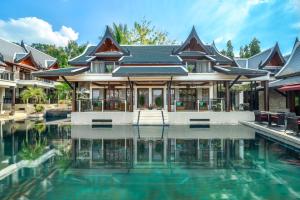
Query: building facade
191 77
17 62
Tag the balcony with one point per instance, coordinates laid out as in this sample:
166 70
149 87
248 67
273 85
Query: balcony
29 80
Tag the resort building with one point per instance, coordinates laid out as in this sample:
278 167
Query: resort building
270 60
288 80
17 62
176 82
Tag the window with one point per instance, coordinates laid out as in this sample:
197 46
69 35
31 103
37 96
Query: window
102 67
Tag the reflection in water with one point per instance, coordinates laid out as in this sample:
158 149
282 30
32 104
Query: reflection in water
176 162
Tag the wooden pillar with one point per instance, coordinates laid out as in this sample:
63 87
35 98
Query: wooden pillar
132 98
74 97
266 95
169 96
227 96
13 101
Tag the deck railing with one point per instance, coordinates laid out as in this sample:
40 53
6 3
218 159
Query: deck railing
216 104
101 105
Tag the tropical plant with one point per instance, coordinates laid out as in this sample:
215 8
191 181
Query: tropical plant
63 91
39 108
36 94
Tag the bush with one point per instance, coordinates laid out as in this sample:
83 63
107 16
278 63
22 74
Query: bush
39 108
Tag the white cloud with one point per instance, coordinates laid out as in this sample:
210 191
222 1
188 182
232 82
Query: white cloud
222 19
33 30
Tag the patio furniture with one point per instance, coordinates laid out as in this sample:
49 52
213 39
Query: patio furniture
261 116
277 118
292 123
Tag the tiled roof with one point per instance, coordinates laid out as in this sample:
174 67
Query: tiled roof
156 54
9 50
142 71
292 66
41 58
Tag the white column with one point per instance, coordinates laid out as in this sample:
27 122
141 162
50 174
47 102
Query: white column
150 96
165 98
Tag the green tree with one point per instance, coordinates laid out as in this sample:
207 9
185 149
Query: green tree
63 91
36 94
141 33
121 33
254 46
62 54
242 53
229 50
246 52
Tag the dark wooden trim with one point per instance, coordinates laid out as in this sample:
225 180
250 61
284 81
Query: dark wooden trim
69 84
235 80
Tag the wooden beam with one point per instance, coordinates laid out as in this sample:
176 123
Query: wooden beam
235 80
68 83
266 95
227 94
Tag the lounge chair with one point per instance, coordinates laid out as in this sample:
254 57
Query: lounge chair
260 116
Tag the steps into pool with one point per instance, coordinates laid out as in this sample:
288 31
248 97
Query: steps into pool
150 117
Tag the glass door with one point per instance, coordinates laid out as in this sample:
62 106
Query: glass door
143 98
158 98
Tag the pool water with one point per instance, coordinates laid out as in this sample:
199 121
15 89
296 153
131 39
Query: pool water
126 162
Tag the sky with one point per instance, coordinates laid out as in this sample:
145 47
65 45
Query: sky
58 21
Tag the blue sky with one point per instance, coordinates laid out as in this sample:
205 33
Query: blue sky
57 21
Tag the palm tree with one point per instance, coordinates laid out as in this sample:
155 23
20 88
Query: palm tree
36 94
121 33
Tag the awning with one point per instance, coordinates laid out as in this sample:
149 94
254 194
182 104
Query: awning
56 73
249 73
286 81
290 88
141 71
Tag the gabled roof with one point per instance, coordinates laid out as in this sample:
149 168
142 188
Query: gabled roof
260 60
8 50
108 35
43 60
292 66
220 58
193 34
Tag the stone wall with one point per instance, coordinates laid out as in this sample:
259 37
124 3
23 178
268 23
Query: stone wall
277 101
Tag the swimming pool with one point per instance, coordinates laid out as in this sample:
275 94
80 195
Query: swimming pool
176 162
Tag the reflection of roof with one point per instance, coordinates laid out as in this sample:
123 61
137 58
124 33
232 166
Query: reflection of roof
292 66
142 71
180 132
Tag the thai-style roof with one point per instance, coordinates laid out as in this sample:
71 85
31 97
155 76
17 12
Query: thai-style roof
42 59
292 66
108 36
193 35
262 60
250 73
142 71
15 53
285 81
55 73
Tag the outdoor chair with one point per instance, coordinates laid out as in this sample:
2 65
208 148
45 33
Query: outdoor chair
260 116
292 123
278 119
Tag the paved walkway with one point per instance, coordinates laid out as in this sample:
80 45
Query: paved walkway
277 133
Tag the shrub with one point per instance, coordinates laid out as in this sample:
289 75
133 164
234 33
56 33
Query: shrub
39 108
